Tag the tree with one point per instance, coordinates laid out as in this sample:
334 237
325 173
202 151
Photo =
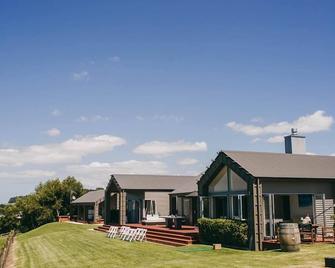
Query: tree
51 199
71 188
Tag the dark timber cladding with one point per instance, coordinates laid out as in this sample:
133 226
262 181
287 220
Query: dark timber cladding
254 195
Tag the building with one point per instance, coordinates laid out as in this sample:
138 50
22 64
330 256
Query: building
265 189
136 198
184 202
89 207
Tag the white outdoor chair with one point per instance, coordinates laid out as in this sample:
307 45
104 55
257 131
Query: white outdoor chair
123 232
130 234
141 234
112 232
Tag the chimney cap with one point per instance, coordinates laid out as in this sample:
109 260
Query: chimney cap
294 131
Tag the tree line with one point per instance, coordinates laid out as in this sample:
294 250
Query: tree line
49 200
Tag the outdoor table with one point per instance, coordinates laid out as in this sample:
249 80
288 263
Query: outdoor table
174 222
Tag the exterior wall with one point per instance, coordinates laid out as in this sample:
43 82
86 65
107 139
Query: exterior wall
301 186
162 201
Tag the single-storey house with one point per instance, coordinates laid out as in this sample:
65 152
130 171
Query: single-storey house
89 207
267 188
184 202
136 198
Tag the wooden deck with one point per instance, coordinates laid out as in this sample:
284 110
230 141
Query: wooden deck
274 243
162 235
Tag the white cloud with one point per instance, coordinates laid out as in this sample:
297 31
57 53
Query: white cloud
69 151
114 59
187 161
96 174
275 139
255 140
162 148
93 118
56 112
81 76
257 120
315 122
27 174
53 132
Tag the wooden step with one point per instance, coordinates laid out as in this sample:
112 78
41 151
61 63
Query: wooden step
172 239
165 242
178 236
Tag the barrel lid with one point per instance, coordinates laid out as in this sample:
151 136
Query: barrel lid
288 224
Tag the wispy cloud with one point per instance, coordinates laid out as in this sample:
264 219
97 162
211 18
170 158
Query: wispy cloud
310 123
53 132
275 139
168 117
114 59
187 161
83 75
69 151
56 112
93 118
27 174
162 117
163 148
97 174
139 118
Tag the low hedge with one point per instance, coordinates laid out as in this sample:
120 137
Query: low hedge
224 231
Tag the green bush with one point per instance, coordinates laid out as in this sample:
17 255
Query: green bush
224 231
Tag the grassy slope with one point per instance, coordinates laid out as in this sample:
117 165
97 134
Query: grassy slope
69 245
2 241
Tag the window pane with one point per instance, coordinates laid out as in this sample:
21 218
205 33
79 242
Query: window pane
206 207
237 183
235 206
244 207
220 183
221 209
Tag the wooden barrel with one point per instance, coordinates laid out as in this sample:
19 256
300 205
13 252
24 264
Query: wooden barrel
289 237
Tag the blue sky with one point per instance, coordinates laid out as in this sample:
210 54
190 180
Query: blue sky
158 86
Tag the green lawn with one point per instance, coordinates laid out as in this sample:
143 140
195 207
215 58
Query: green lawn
69 245
2 241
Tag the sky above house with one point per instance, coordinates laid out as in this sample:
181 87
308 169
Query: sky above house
90 88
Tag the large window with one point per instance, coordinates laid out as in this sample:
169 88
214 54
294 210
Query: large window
150 207
221 207
239 207
220 183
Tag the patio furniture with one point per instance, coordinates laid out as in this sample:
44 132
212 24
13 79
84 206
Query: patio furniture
328 234
174 222
153 219
308 232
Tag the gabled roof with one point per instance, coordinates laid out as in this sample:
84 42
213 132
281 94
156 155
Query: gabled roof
151 182
280 165
90 197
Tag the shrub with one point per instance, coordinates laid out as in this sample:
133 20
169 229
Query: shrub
224 231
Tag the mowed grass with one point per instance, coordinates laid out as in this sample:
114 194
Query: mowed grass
2 241
70 245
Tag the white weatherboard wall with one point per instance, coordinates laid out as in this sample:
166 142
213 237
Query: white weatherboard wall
162 201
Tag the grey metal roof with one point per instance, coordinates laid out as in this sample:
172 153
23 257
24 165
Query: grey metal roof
280 165
154 182
187 188
90 197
